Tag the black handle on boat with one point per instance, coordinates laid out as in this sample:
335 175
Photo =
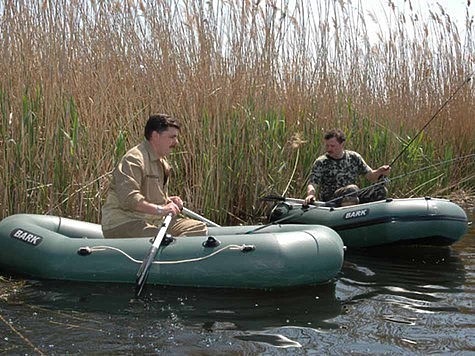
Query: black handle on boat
273 197
144 270
278 221
433 117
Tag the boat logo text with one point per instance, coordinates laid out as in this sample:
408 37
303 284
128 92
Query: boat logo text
26 236
356 214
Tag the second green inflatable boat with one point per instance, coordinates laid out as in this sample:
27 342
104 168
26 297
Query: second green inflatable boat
419 221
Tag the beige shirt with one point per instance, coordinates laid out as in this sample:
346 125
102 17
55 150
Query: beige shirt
139 175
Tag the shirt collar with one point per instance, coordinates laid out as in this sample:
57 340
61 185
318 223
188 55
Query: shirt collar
336 159
151 152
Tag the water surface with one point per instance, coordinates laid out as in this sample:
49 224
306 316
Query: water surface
394 301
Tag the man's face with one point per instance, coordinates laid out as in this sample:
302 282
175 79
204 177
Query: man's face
165 141
334 148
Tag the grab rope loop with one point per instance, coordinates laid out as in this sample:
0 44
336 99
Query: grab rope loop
242 248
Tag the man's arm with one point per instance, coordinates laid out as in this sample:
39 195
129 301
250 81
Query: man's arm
128 176
310 194
153 209
374 174
314 180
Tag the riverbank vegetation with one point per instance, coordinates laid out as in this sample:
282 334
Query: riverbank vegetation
255 84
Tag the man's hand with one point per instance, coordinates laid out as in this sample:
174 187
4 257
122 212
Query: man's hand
171 208
309 199
310 195
177 201
375 174
384 170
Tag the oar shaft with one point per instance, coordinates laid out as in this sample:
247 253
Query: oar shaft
196 216
144 269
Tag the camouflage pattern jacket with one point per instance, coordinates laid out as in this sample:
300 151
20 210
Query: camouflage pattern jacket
329 174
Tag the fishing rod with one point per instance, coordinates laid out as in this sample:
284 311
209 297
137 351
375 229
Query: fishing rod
321 203
387 180
433 117
432 166
306 208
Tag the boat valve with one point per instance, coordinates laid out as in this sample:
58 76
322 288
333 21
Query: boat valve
248 248
211 242
84 251
167 240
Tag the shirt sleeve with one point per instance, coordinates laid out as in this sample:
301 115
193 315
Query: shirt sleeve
363 167
128 177
317 173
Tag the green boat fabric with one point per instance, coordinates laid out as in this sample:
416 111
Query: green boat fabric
423 221
52 247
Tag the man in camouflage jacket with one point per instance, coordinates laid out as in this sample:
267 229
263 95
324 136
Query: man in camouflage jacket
337 171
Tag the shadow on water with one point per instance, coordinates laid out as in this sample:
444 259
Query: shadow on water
414 275
403 265
206 308
406 299
164 317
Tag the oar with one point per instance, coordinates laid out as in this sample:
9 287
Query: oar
144 270
304 209
273 197
196 216
319 203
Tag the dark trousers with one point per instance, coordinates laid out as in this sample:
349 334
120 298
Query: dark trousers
351 194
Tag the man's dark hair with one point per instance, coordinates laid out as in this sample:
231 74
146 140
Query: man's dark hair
160 123
337 133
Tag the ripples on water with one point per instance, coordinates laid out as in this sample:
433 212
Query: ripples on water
397 300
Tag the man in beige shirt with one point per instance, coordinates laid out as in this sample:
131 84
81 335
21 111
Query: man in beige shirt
138 196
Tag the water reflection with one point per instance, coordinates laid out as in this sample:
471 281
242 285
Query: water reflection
211 309
401 286
394 300
418 269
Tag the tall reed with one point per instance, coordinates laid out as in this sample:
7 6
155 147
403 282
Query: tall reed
255 84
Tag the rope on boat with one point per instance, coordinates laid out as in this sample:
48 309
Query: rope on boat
242 248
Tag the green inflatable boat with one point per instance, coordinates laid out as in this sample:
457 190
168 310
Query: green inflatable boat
51 247
420 221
